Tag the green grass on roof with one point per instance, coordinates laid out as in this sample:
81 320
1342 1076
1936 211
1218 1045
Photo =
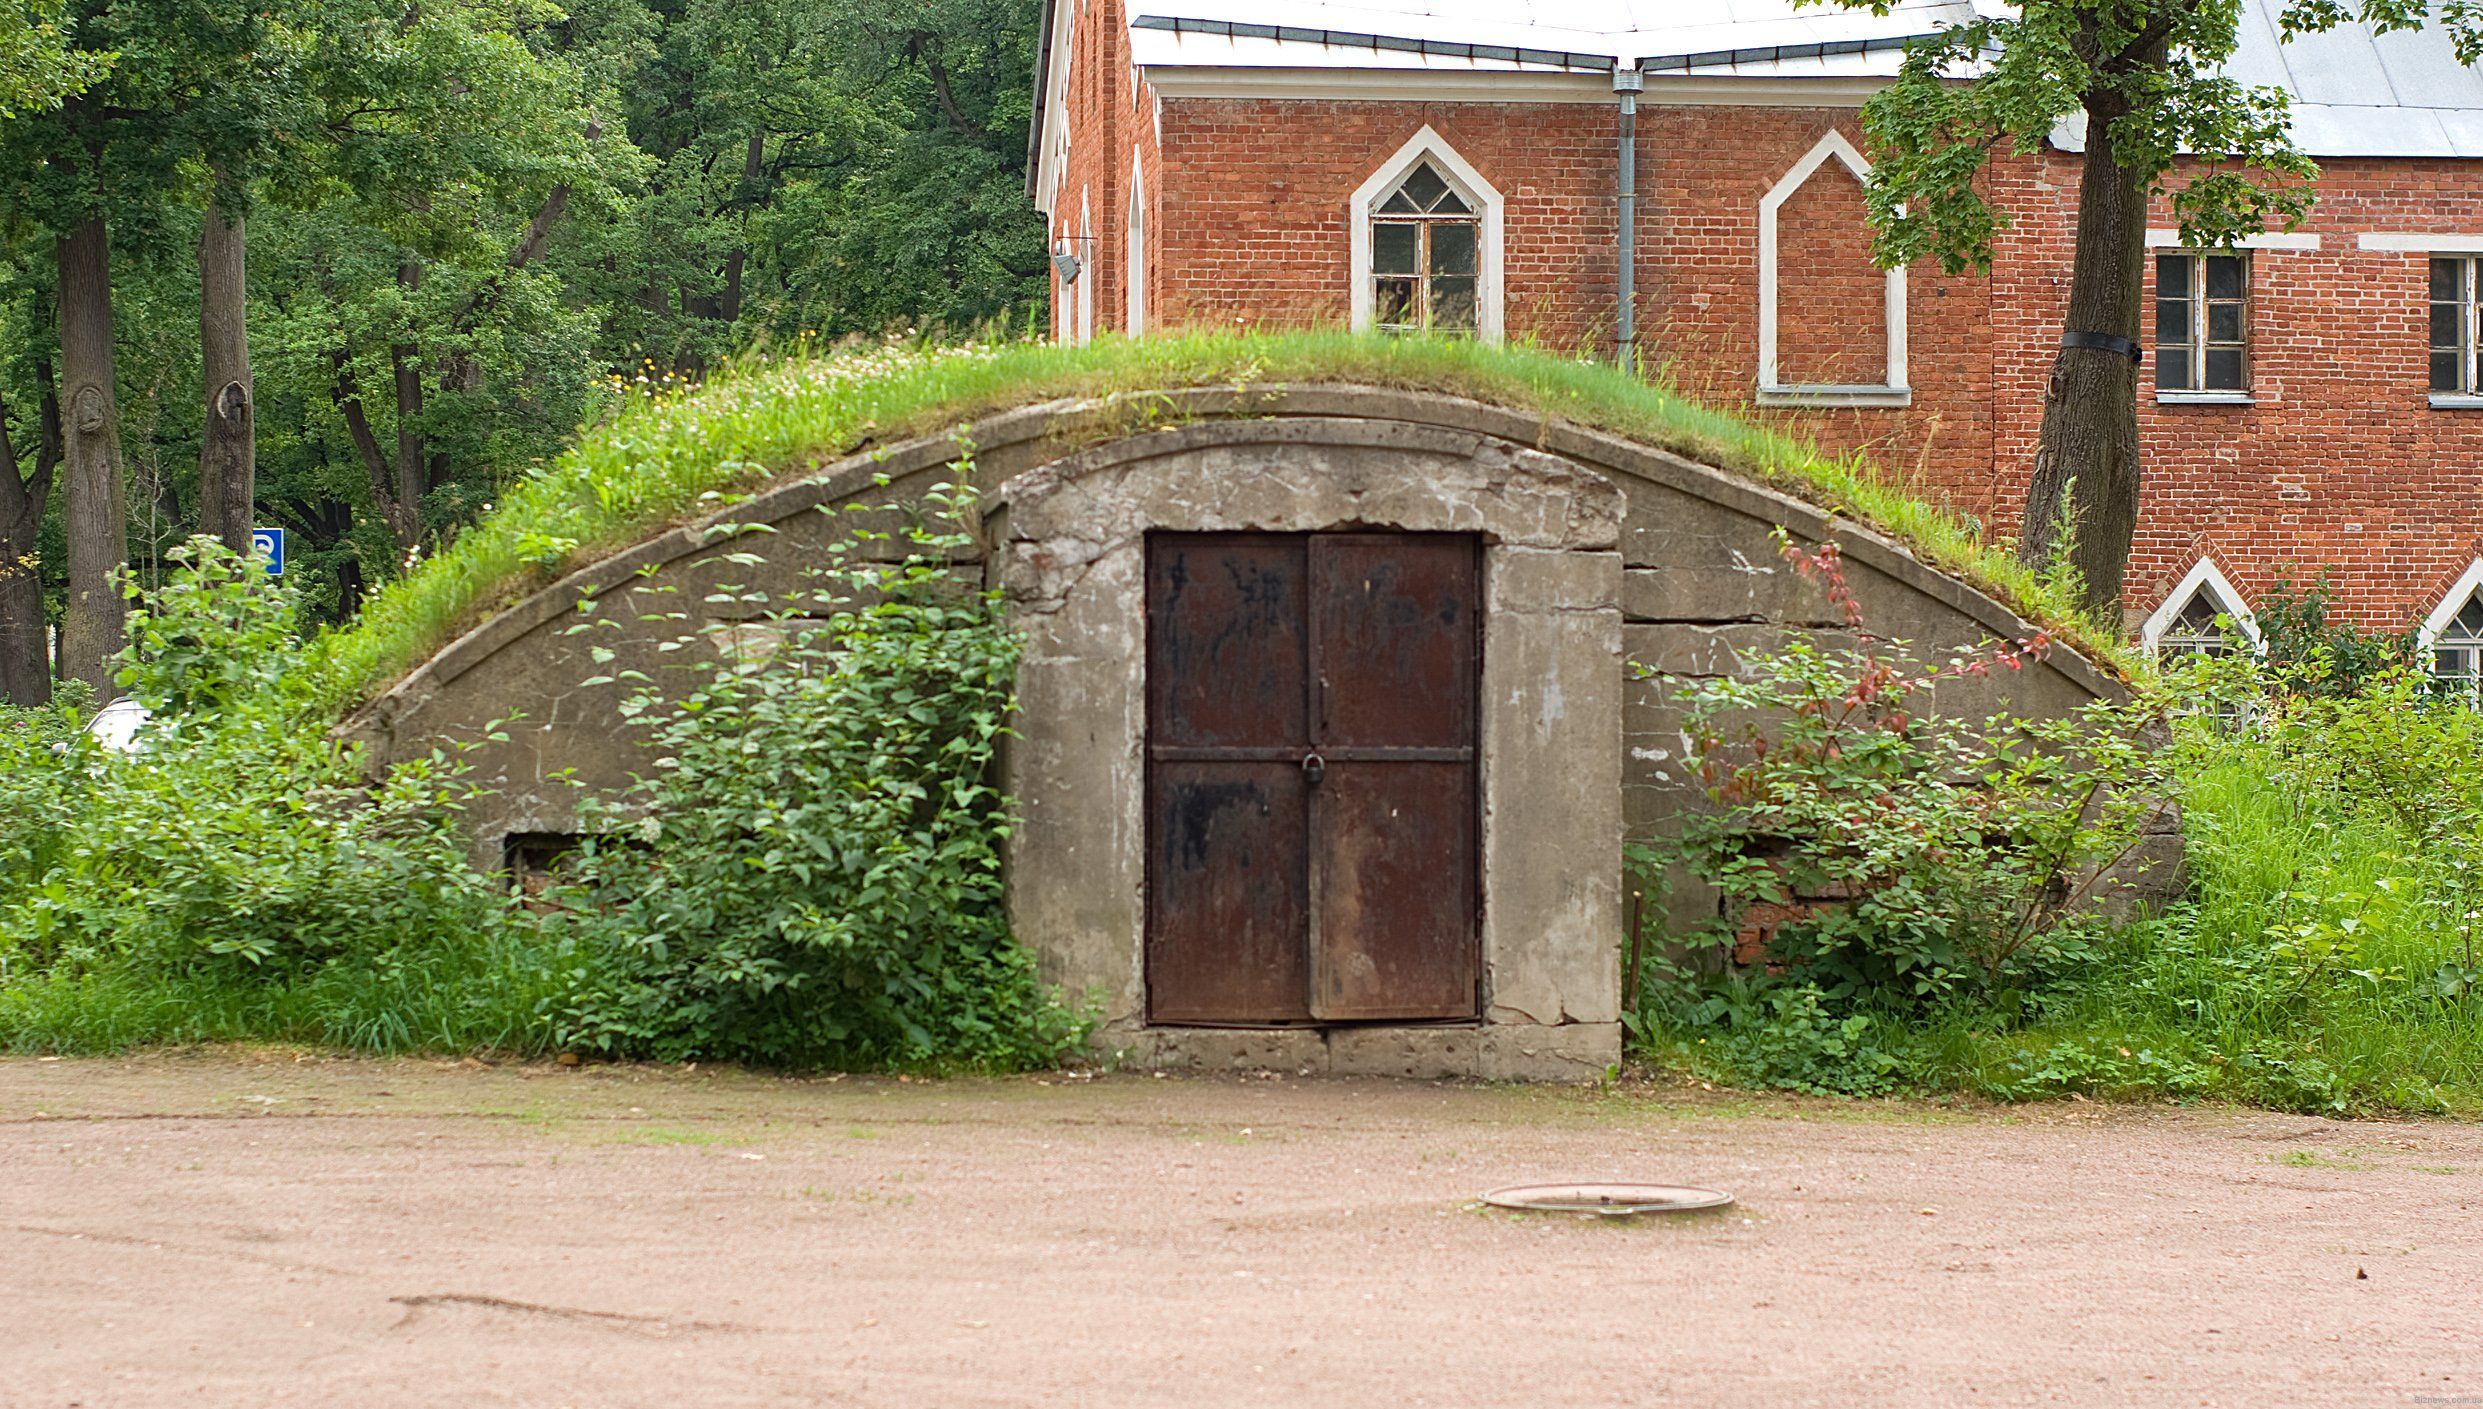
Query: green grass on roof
649 465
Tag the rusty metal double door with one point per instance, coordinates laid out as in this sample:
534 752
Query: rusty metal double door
1312 787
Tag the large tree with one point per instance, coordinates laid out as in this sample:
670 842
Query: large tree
2160 117
40 65
455 143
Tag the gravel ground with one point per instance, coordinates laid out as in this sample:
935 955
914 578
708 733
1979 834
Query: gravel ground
253 1229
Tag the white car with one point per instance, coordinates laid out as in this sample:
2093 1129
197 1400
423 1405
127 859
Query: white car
116 725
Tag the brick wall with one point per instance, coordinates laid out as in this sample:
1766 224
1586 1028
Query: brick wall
2339 466
1831 300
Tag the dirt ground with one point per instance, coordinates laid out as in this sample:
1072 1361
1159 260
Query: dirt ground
256 1230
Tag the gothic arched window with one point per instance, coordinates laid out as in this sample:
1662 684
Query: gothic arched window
1426 257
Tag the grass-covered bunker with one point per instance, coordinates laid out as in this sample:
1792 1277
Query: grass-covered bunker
1330 731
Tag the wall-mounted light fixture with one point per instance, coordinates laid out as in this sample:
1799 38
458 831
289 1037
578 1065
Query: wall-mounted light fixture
1066 261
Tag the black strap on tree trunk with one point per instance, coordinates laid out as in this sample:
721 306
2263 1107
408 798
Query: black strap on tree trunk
2104 342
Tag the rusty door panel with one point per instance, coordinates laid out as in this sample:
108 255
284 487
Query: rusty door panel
1229 904
1228 648
1311 799
1228 669
1395 652
1393 876
1393 631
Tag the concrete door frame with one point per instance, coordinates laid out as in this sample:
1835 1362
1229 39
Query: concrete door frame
1069 552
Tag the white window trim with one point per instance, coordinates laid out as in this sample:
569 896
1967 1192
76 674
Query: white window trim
1086 276
1134 316
2438 622
2267 240
1894 392
1428 145
2213 396
2388 243
2229 602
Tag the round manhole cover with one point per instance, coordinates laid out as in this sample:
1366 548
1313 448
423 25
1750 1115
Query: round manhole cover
1612 1200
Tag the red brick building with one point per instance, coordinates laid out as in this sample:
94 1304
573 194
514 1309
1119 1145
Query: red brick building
2312 406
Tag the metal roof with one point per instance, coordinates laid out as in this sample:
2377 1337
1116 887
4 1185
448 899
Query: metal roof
2354 93
1520 35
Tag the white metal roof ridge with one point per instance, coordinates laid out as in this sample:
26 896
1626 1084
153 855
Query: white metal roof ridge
2354 92
1524 56
1641 29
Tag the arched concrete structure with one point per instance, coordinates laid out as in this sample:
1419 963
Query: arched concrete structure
1597 552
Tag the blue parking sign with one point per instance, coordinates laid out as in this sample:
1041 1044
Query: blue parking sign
270 541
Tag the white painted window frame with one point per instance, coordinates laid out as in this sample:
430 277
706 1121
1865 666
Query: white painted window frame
2246 251
1086 276
1896 391
1478 193
2388 242
2448 244
1134 316
2265 240
2436 625
2207 577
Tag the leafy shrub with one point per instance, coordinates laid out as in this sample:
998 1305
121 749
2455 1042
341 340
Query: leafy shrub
2308 653
1788 1035
813 873
1880 865
237 839
2326 958
1902 859
38 781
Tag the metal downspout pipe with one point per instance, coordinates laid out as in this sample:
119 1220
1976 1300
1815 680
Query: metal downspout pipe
1627 82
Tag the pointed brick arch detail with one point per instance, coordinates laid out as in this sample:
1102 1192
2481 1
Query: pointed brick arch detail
2452 602
2204 576
1896 391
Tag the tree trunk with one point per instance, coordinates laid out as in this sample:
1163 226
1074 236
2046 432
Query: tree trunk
25 660
2087 452
412 465
751 195
228 451
94 512
404 527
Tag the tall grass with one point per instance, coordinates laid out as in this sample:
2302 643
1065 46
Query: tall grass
2300 974
661 458
487 993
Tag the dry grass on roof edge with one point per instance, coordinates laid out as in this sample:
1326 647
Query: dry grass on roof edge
663 456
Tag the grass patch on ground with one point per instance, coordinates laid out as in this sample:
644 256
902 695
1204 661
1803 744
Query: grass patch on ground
660 459
478 995
2301 974
2313 967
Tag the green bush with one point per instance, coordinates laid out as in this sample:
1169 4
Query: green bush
40 768
2308 652
2326 958
237 834
1899 859
237 861
812 874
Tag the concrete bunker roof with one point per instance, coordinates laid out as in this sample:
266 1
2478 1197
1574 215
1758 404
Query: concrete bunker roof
1128 417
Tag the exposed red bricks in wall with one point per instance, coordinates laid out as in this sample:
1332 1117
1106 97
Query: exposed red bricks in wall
1831 300
2339 467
